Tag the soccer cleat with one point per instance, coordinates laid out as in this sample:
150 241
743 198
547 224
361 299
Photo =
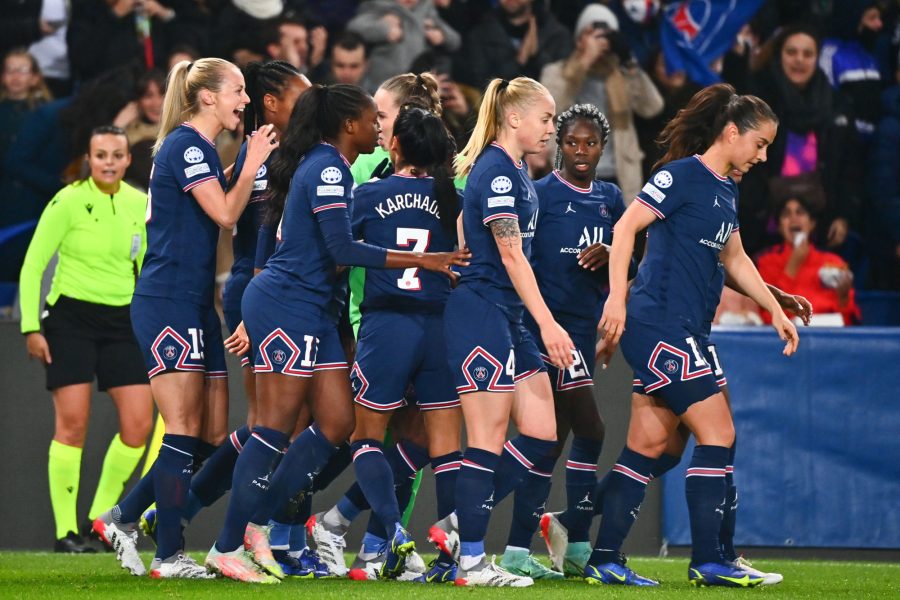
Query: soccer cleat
768 578
310 560
523 563
291 565
489 574
147 523
438 572
724 574
329 545
72 544
577 556
86 531
123 539
445 535
256 542
398 549
556 537
366 570
415 564
615 573
180 566
238 565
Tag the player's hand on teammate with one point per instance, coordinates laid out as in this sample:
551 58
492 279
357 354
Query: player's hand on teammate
38 348
604 352
612 322
558 344
787 332
440 262
798 305
593 257
238 342
260 144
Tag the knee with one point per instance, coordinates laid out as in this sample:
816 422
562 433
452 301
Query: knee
71 431
646 445
337 430
541 430
721 436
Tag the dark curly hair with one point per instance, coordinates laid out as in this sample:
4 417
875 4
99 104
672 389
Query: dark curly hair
588 112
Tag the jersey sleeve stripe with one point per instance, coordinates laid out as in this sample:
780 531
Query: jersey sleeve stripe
652 208
194 184
329 207
490 218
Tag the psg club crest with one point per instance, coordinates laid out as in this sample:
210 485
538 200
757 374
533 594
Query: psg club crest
604 211
279 356
670 366
169 352
481 373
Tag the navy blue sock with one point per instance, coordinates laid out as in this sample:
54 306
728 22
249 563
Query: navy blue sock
131 507
287 512
304 458
530 501
599 491
171 481
336 465
519 456
375 477
446 469
704 487
252 474
475 498
729 519
581 480
406 459
298 526
625 488
664 464
214 479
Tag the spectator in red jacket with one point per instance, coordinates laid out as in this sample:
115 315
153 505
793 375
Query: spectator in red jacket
797 266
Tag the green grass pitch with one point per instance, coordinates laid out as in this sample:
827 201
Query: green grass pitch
53 576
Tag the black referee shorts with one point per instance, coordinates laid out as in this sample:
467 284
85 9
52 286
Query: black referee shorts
88 339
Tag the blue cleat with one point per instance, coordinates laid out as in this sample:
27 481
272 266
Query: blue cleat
438 572
724 574
613 573
398 548
292 566
310 560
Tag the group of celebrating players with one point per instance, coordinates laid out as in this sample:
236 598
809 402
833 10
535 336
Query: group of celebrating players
477 305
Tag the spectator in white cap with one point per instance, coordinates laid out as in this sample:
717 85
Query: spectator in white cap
602 71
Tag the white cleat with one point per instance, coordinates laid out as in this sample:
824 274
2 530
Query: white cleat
414 564
489 574
767 578
445 535
329 545
556 537
179 566
238 565
123 539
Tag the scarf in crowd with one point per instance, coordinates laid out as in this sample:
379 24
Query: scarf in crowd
802 110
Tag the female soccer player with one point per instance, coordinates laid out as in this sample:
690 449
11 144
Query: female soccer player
173 310
574 230
494 361
97 226
286 312
690 208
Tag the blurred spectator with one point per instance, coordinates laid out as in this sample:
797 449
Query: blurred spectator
849 63
332 14
798 267
141 131
815 152
460 102
181 52
52 51
290 40
349 63
884 190
516 38
21 24
397 31
601 71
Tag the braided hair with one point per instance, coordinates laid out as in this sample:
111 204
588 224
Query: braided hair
588 112
264 78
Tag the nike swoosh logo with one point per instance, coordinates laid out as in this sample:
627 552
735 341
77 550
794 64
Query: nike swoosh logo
618 577
742 581
431 578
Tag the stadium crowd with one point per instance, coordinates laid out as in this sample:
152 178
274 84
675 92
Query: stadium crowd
83 99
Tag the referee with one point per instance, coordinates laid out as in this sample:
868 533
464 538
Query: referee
97 226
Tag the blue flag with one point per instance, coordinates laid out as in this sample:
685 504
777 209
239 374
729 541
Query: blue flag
697 32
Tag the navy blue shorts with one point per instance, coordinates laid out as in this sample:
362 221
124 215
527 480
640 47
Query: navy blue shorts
712 357
581 373
330 354
284 338
396 349
486 352
668 363
175 335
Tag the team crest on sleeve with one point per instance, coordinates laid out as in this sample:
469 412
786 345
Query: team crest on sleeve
501 184
663 179
331 175
193 155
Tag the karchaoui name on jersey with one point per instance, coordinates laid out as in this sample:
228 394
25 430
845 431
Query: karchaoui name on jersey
403 201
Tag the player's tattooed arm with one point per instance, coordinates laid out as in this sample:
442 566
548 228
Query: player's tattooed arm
506 232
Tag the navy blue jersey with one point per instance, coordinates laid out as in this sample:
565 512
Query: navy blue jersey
401 213
571 219
181 238
498 187
697 213
316 214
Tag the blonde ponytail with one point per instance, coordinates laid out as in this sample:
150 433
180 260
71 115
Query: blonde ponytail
499 97
183 84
